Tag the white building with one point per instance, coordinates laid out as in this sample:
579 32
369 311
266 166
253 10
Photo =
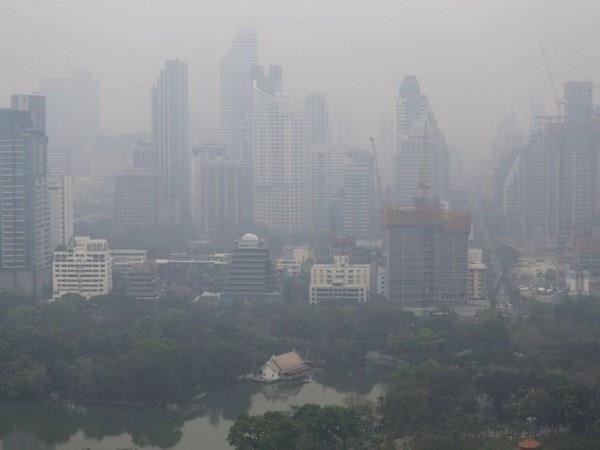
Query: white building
60 193
340 281
280 157
578 282
477 290
290 266
84 268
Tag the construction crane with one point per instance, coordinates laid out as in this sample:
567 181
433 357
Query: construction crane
557 99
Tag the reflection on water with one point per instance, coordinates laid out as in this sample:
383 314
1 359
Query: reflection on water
34 426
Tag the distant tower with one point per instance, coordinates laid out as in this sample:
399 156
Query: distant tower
280 156
170 139
421 153
73 121
25 252
236 99
317 110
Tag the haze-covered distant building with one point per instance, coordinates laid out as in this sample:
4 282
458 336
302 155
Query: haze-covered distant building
136 200
216 191
236 101
421 154
83 267
73 121
60 193
426 249
170 139
25 253
280 156
317 110
552 187
477 287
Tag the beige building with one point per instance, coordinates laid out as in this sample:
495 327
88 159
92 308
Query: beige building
477 289
340 281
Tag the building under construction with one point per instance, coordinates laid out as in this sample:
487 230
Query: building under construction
427 254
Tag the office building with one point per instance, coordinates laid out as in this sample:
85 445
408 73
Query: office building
60 193
426 249
216 191
25 254
83 268
124 260
170 139
317 110
250 274
421 153
142 281
340 281
136 200
73 120
113 155
280 157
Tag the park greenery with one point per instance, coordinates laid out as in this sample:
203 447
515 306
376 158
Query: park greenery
460 382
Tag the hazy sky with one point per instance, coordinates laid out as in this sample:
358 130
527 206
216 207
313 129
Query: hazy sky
475 59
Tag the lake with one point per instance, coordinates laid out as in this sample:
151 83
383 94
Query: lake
35 426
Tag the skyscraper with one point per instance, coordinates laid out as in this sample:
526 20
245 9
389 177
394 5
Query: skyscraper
421 153
317 110
280 157
25 252
170 139
236 94
136 199
73 118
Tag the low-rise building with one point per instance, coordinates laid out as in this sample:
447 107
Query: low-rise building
340 281
124 260
289 266
141 281
83 267
285 366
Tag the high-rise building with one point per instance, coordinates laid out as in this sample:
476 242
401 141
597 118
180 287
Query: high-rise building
317 110
427 254
136 199
113 155
73 119
421 153
25 252
60 194
215 190
83 267
170 139
250 272
360 208
327 169
280 157
236 99
553 186
477 287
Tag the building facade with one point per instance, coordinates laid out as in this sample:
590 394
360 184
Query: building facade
136 200
83 268
216 191
477 288
60 193
25 253
170 139
426 250
421 155
250 270
340 282
280 157
317 110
